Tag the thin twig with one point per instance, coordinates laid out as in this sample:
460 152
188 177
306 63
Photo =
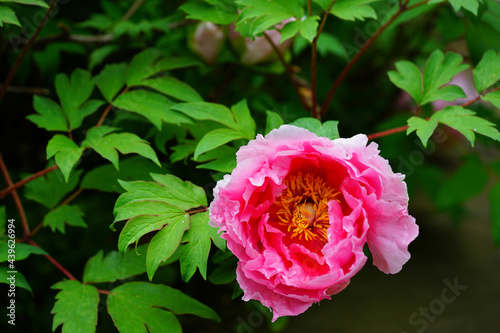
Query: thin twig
288 71
15 196
403 8
108 108
25 49
55 262
132 10
20 183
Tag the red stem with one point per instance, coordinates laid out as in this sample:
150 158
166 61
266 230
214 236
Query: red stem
387 132
55 262
362 50
106 111
25 49
20 183
19 205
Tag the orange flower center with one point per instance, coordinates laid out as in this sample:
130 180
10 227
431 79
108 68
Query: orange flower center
303 206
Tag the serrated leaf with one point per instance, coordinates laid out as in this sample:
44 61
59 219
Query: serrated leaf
166 188
75 307
111 80
195 252
172 87
216 138
424 128
469 180
466 122
67 214
153 106
39 3
487 71
20 279
73 93
493 97
141 66
8 16
22 250
429 86
222 13
105 177
353 9
494 197
470 5
51 188
49 115
263 14
141 307
165 243
66 152
207 111
107 145
327 129
309 27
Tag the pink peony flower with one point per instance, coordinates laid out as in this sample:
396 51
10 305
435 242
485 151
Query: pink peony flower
207 42
298 209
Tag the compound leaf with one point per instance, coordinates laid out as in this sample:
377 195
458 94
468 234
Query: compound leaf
111 80
353 9
66 153
487 71
222 12
75 307
49 115
67 214
172 87
424 128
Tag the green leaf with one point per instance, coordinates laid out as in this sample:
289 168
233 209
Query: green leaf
98 55
424 128
309 27
494 197
22 250
263 14
115 266
487 71
73 93
141 67
153 106
137 305
195 252
216 138
273 121
66 152
166 188
49 115
75 307
353 9
67 214
107 145
493 97
329 44
470 5
465 121
467 182
172 87
221 159
328 129
51 188
40 3
223 12
165 243
105 177
290 30
207 111
8 16
20 279
244 119
438 71
170 63
226 271
111 80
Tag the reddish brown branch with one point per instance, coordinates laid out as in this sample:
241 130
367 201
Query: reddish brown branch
55 262
20 183
15 196
25 49
363 49
387 132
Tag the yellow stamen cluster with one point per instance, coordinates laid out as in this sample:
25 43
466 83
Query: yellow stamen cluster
303 206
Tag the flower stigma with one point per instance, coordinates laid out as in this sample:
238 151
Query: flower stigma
302 207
